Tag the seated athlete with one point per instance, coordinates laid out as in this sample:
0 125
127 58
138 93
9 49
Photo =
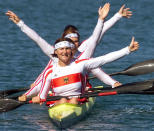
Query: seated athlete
48 49
66 76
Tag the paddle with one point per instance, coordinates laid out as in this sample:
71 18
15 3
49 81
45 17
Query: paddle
11 91
143 87
140 68
9 104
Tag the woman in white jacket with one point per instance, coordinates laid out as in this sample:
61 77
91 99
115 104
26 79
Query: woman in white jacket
87 46
66 77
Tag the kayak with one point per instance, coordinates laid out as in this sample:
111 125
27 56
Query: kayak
66 114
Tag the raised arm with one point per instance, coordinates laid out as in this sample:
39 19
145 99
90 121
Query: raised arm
101 75
99 61
45 46
88 46
123 12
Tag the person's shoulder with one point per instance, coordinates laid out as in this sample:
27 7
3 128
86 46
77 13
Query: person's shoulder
79 61
77 54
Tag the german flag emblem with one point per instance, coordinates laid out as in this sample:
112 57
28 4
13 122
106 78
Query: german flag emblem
66 80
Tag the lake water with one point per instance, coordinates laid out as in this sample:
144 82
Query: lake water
22 60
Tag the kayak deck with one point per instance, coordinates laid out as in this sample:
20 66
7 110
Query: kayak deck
64 115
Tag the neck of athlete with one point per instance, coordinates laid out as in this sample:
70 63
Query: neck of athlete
63 63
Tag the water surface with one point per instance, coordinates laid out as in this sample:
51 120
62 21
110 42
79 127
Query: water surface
22 60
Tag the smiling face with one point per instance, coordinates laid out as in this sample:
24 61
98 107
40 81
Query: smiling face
64 55
64 48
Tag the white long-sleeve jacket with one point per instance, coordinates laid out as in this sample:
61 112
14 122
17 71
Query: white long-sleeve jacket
67 80
87 47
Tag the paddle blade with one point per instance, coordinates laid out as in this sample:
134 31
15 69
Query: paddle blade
8 104
143 87
140 68
11 91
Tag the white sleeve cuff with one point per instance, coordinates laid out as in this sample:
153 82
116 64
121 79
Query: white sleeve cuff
127 50
20 23
118 15
100 21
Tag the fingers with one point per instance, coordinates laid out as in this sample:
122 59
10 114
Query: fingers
133 39
132 42
126 9
103 11
125 12
99 10
122 7
37 100
22 98
134 45
117 84
12 16
9 13
106 6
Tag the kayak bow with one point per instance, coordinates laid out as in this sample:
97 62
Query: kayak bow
65 115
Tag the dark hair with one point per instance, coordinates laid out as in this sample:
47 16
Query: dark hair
72 27
70 31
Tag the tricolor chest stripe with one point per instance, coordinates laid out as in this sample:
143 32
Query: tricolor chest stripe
65 80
